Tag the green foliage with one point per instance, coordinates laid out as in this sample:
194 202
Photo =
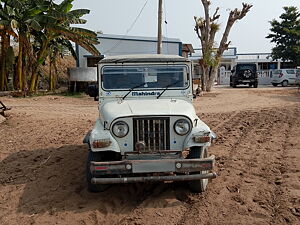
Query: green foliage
286 36
43 29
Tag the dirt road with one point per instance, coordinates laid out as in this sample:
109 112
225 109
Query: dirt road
42 163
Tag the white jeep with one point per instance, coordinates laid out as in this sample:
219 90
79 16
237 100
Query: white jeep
147 129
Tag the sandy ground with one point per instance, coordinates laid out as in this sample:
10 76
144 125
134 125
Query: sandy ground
42 163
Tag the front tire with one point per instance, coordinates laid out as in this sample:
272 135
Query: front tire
233 84
255 85
275 85
285 83
198 186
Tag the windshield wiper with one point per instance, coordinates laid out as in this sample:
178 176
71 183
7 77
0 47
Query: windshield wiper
167 87
131 89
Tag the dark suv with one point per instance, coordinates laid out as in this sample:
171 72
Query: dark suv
244 74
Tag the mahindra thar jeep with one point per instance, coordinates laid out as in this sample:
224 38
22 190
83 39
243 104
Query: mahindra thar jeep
244 73
147 128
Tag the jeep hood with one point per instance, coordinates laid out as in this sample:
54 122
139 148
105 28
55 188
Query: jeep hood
152 107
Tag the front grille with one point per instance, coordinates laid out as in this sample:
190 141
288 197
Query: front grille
154 132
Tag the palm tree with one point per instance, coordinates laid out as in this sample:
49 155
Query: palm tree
60 29
37 24
7 53
24 16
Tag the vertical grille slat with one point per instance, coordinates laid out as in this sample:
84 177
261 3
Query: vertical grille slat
154 132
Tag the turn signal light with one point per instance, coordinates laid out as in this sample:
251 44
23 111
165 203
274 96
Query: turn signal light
102 143
202 139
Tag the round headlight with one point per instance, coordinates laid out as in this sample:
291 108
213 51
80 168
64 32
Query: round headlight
120 129
182 127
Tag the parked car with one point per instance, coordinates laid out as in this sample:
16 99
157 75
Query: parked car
283 77
298 77
147 128
244 73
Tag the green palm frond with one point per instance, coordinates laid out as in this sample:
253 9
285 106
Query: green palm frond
79 39
34 24
85 32
76 21
79 12
88 35
17 4
65 6
3 15
66 18
4 23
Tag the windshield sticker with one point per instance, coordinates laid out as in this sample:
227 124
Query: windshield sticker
135 93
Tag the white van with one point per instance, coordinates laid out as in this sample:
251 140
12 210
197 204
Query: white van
283 77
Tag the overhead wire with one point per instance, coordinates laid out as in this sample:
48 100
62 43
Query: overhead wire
129 29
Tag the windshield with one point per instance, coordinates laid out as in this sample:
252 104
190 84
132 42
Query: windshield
151 77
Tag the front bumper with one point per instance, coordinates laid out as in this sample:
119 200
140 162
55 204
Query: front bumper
131 171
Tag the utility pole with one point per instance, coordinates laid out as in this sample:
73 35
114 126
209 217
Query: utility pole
159 33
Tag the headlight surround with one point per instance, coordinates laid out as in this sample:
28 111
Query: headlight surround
120 129
182 127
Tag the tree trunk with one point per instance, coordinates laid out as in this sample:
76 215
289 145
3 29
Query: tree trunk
204 77
55 73
40 59
5 43
19 72
2 63
211 80
50 75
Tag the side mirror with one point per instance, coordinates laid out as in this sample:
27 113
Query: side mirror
232 71
93 91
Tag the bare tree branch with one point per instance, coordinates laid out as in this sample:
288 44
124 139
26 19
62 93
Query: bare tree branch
234 15
206 4
216 16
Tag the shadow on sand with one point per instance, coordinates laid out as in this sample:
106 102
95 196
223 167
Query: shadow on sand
55 181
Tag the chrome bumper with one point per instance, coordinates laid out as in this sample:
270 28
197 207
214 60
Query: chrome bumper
131 171
153 178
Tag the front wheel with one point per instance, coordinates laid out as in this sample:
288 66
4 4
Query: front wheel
198 186
255 85
284 83
233 84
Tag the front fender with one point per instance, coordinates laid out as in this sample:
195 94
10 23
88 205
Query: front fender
99 133
199 131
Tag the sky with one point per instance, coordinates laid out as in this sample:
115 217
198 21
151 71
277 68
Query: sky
248 34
